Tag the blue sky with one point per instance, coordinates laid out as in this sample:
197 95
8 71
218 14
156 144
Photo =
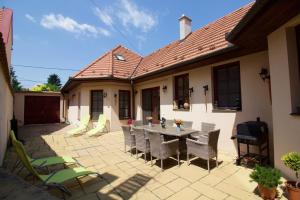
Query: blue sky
70 34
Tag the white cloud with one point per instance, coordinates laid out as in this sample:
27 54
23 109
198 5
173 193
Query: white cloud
131 14
58 21
104 16
30 18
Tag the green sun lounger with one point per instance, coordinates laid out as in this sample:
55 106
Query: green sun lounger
47 161
83 127
100 127
54 179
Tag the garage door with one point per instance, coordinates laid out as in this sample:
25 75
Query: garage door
41 109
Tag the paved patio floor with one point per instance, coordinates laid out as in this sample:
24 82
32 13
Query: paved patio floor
125 177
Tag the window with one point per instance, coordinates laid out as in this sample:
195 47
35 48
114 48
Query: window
227 86
120 57
124 104
96 104
181 87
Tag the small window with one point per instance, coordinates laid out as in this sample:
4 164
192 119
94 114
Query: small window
96 104
120 57
181 87
124 104
227 87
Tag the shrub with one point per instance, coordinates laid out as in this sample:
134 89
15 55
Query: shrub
292 161
266 176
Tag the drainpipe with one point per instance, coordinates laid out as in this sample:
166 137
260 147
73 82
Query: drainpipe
133 99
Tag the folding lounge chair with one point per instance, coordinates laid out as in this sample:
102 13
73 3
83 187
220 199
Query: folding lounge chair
83 127
54 179
47 161
100 127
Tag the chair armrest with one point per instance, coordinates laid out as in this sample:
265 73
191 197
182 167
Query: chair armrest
170 141
196 142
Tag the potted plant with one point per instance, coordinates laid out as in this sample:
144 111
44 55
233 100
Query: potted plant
178 123
292 161
149 119
267 179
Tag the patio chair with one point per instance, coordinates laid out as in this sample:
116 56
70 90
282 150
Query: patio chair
138 123
161 149
187 124
46 161
129 138
205 128
83 127
205 148
54 179
141 142
100 127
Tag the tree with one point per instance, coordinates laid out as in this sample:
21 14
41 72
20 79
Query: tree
54 80
45 87
16 85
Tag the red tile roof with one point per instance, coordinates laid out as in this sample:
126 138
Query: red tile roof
205 40
109 66
5 23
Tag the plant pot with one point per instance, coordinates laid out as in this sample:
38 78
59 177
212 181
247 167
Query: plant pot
267 193
293 192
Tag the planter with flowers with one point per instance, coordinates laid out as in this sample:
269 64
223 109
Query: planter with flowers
292 161
178 123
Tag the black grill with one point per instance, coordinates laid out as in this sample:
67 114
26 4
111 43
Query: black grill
253 133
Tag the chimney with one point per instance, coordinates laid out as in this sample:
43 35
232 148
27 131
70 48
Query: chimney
185 24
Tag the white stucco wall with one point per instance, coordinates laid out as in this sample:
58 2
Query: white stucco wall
19 104
286 127
255 99
6 108
110 103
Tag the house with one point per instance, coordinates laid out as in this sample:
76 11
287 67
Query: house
241 67
6 94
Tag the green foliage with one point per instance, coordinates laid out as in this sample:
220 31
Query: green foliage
266 176
54 79
45 87
292 161
16 85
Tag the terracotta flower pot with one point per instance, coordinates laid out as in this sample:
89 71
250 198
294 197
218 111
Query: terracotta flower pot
293 192
267 193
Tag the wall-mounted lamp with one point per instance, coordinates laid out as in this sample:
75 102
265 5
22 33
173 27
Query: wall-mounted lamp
104 94
165 88
264 74
115 95
135 92
205 87
191 90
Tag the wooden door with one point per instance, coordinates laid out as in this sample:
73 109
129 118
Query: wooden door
151 104
41 109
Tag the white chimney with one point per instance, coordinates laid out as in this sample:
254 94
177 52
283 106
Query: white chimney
185 24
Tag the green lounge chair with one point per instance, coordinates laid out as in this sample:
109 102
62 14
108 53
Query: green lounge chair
83 127
54 179
100 127
47 161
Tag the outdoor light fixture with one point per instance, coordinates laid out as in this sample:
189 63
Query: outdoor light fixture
205 87
165 88
191 90
115 95
104 94
136 92
264 74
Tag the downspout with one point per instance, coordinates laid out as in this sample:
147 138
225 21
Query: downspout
133 99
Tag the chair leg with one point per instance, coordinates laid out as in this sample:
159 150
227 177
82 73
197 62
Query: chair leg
124 148
136 152
145 156
208 166
217 164
178 159
161 164
151 160
188 159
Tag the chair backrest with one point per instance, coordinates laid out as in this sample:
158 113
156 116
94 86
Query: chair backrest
155 139
126 132
140 138
138 123
19 148
85 120
187 124
207 126
101 121
213 137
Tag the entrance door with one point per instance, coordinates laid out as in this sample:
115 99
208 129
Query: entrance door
151 104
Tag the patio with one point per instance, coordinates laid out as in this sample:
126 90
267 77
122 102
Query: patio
125 177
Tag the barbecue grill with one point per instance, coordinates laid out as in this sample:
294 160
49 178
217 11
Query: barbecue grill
253 133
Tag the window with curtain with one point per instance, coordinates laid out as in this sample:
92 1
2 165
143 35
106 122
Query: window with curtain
96 104
181 87
124 104
227 87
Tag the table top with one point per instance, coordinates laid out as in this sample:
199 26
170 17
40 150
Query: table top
171 131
